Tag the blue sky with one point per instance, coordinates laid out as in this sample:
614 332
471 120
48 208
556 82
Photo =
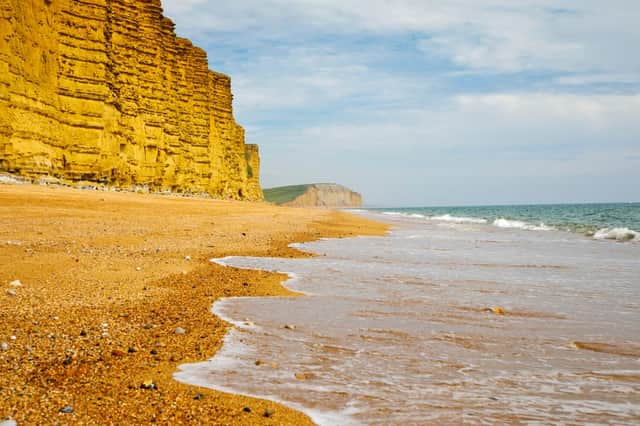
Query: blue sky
420 103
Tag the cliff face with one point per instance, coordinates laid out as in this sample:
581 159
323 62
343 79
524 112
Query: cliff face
104 91
315 195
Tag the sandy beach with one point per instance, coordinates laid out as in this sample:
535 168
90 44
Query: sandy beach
103 294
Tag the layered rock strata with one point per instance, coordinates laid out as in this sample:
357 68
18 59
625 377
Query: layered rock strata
103 91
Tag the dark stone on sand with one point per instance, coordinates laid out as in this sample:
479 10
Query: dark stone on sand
83 333
268 413
153 352
67 361
246 409
198 397
148 384
132 350
67 409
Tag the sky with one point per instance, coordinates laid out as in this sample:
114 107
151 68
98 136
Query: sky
426 103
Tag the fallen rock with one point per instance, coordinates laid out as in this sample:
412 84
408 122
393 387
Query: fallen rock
179 330
498 310
198 397
246 409
4 346
67 409
15 283
187 258
290 326
8 421
11 292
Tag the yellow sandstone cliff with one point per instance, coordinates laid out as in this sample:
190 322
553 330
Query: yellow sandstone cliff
103 91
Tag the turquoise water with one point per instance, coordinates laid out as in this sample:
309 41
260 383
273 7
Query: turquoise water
620 221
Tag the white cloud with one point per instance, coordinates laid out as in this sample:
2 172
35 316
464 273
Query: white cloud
499 35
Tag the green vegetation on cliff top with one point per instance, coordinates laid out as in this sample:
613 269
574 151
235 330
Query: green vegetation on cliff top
284 194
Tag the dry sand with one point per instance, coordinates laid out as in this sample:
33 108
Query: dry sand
107 278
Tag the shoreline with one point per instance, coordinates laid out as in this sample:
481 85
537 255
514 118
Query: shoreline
106 281
462 321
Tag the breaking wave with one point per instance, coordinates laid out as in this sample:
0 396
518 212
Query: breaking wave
458 219
518 224
618 234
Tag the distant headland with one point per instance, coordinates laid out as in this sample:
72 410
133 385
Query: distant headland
313 195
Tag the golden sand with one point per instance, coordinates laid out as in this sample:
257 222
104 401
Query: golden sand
105 279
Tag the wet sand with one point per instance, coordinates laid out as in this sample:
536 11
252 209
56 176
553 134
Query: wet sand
106 280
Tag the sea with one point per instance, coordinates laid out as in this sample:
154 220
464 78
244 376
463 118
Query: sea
474 315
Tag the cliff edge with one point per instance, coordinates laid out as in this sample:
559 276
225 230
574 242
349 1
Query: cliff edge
103 91
329 195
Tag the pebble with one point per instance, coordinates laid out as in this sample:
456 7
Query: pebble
8 422
132 350
13 338
138 268
179 330
246 409
290 327
83 333
304 376
153 352
15 283
11 292
268 413
198 397
67 409
4 346
148 384
187 258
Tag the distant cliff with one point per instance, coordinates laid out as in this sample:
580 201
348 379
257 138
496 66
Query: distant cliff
103 91
314 195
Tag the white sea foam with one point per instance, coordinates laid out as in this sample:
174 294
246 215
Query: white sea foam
399 214
618 234
458 219
518 224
